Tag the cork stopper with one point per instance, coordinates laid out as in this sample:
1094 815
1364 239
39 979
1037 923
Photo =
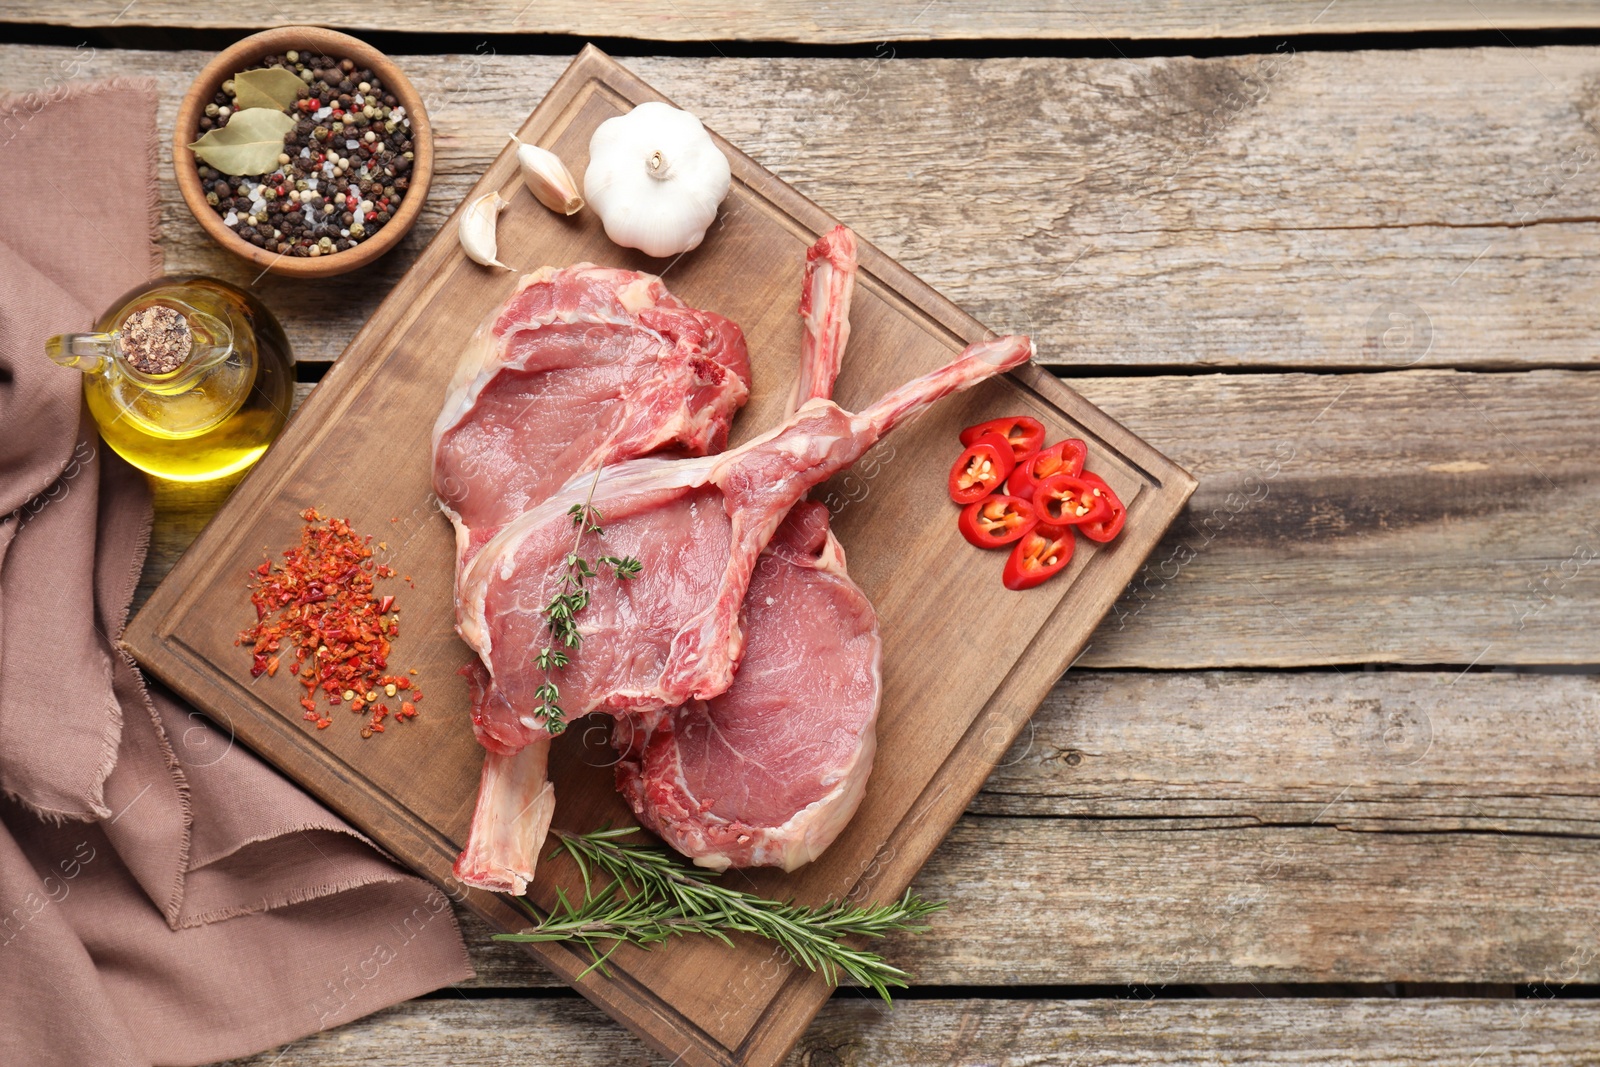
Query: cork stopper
156 340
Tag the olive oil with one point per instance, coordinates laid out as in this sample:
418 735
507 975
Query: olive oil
188 378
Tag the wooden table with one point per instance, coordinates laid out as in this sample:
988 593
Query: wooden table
1322 789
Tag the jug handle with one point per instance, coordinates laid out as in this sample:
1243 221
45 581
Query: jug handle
92 353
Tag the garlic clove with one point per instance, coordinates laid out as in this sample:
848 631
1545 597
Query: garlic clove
547 178
476 230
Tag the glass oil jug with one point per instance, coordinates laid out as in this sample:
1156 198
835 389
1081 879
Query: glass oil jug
188 378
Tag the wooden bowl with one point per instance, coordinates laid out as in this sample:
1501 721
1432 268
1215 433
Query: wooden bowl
247 54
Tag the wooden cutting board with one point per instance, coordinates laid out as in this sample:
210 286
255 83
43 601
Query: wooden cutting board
965 662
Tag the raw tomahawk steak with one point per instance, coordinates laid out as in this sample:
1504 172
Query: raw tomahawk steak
771 771
672 634
581 367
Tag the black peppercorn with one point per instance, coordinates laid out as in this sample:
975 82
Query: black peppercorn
370 167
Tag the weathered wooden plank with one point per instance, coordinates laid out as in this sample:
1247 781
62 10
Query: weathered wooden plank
1422 517
1398 750
1047 901
1238 905
838 21
1084 1033
1418 517
1256 211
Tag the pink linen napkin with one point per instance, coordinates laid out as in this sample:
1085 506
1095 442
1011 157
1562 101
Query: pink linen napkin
165 897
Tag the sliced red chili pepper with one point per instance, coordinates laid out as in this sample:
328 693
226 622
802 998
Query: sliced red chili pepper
996 521
1067 500
1063 457
1104 530
1042 552
1018 484
980 469
1026 435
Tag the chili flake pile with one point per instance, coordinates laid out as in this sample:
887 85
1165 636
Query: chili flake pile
320 602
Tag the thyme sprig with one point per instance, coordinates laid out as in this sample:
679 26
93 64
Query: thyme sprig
570 598
650 897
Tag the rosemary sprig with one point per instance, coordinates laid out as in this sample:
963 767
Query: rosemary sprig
650 897
571 597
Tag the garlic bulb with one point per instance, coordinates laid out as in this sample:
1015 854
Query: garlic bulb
655 178
476 230
547 178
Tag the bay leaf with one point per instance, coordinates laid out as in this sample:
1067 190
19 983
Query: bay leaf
268 87
249 144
